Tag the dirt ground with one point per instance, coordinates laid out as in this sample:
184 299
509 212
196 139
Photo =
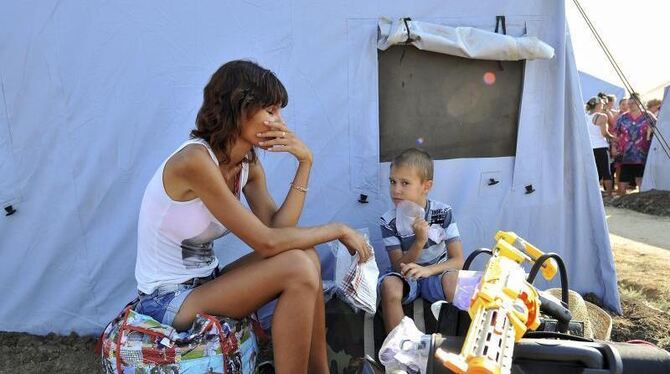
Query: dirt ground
642 272
641 245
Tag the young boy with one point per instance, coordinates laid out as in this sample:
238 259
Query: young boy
421 267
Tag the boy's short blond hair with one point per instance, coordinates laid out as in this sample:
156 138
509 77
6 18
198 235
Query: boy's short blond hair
418 159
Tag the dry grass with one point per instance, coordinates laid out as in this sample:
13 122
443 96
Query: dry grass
643 274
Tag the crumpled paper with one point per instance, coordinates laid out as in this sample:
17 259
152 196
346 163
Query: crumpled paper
356 283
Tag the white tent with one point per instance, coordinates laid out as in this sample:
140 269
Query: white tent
96 94
591 86
657 168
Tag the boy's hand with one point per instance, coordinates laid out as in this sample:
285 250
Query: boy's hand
420 228
415 271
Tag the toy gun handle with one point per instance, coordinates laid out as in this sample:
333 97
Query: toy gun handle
488 346
549 267
556 310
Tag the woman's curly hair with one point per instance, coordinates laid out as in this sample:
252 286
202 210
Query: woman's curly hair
238 88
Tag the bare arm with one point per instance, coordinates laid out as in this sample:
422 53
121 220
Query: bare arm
195 170
455 261
398 257
420 228
601 122
407 257
262 204
279 138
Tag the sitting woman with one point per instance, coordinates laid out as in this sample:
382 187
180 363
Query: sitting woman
193 198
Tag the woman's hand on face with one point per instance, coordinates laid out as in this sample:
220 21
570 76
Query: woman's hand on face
278 138
356 243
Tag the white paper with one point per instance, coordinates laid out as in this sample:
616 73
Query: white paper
356 282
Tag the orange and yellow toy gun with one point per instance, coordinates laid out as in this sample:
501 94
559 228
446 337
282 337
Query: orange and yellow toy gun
503 307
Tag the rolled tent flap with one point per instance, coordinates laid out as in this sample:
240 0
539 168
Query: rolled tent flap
468 42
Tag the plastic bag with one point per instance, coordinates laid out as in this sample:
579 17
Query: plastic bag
468 280
405 214
405 349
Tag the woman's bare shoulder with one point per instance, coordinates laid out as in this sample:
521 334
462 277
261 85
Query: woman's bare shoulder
191 158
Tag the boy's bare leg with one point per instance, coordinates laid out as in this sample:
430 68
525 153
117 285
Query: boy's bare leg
392 292
449 281
292 277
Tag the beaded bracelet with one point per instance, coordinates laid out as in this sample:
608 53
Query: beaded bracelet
299 188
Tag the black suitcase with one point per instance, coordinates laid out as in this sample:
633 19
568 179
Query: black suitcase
549 356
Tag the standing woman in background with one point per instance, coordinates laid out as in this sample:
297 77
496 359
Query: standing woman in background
194 198
597 124
633 131
615 155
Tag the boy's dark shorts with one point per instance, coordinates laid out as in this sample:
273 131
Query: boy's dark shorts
430 289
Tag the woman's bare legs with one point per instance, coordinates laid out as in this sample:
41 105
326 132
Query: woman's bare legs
289 275
318 357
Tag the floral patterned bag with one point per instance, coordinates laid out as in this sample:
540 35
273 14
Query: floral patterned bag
136 343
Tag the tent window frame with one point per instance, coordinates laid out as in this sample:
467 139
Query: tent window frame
399 89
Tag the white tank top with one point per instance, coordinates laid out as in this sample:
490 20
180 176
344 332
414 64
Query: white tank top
597 139
174 238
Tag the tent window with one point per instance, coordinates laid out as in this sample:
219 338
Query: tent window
450 106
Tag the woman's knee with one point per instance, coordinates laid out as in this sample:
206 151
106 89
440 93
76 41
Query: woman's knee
301 270
314 257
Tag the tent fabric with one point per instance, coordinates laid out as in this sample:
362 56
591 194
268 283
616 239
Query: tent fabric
591 86
95 95
657 169
466 42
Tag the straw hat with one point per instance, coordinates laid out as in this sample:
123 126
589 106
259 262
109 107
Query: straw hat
601 322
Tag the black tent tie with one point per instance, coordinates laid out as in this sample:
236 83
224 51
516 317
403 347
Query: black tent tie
409 37
500 21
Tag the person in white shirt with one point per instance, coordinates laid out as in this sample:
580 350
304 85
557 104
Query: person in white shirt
193 198
596 120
